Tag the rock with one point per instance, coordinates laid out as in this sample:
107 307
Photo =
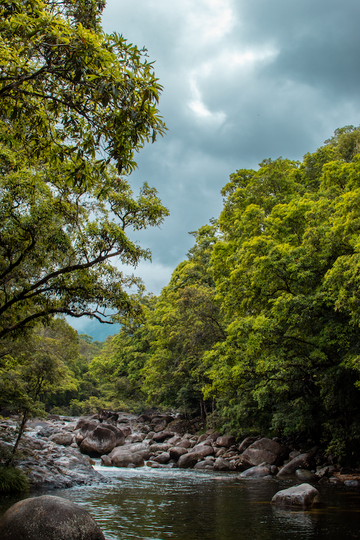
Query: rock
160 447
126 430
265 450
162 436
294 454
144 418
223 465
213 436
106 461
303 496
220 452
225 440
177 451
85 430
184 444
257 472
100 441
202 450
174 440
133 438
64 439
322 472
139 449
126 459
187 461
300 462
208 465
202 438
162 458
246 443
306 476
48 518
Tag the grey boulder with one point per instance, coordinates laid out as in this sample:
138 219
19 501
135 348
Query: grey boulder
303 496
48 518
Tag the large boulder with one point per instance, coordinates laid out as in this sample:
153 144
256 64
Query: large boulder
48 518
100 441
86 428
303 496
222 464
265 451
300 462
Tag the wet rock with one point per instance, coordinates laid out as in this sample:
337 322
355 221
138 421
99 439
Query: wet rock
144 418
174 440
48 518
265 450
213 435
86 429
300 462
303 496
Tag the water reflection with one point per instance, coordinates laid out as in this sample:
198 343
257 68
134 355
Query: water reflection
157 504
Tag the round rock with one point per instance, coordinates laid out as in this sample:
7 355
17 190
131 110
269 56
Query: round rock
48 518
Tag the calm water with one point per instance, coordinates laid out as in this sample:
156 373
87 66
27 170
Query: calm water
157 504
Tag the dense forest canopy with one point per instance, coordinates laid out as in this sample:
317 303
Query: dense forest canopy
258 330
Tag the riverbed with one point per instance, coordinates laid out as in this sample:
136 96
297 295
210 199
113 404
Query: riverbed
158 504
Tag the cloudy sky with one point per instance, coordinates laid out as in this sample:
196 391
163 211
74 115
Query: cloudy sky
243 80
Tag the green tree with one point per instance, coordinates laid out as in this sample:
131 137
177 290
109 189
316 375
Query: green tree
185 323
286 270
75 106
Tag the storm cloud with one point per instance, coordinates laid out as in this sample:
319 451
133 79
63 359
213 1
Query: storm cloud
243 81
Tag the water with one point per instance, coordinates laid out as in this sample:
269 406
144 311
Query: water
158 504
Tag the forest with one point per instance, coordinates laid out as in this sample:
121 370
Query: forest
257 331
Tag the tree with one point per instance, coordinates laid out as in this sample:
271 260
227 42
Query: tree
75 106
31 369
286 270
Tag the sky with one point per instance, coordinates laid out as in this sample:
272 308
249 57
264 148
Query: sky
243 80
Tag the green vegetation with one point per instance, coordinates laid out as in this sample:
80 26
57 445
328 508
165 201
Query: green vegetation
12 481
75 106
259 329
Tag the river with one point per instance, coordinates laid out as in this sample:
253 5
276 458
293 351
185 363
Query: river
157 504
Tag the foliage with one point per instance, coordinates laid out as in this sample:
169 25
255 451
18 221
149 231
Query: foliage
75 106
286 273
12 481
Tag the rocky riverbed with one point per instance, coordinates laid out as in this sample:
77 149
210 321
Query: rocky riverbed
58 452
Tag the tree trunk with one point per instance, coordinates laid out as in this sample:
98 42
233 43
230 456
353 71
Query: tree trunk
20 433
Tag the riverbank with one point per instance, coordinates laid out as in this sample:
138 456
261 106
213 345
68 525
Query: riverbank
57 453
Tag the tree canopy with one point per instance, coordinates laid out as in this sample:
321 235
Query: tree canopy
76 104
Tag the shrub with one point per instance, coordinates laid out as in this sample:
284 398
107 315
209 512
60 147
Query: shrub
12 480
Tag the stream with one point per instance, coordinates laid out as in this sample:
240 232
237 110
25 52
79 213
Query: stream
157 504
